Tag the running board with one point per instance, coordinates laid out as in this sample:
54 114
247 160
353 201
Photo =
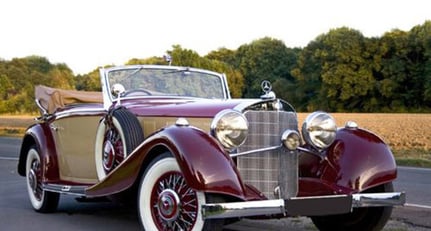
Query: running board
66 189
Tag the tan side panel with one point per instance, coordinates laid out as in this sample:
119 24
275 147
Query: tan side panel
152 124
75 140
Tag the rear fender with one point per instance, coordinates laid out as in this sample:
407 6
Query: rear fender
358 160
203 162
40 135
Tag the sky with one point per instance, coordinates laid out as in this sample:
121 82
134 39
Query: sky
86 34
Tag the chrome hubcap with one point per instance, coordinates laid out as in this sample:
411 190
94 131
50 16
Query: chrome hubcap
32 180
113 150
168 205
108 156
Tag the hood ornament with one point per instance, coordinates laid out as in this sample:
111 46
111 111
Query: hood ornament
267 90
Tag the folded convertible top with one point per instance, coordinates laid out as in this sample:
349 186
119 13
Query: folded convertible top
51 98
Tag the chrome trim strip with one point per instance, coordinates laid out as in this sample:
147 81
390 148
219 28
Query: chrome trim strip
312 152
378 199
256 151
226 89
245 104
80 112
39 105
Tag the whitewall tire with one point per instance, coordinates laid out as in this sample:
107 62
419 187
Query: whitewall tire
165 201
41 200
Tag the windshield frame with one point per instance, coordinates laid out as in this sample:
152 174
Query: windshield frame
108 98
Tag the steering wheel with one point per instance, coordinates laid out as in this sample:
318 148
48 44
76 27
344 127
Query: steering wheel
136 91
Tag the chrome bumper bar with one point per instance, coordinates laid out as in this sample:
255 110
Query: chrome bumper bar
303 206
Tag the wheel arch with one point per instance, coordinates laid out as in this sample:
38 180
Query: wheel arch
40 135
27 142
203 162
152 154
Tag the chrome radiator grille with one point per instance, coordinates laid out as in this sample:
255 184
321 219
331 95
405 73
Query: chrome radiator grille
262 170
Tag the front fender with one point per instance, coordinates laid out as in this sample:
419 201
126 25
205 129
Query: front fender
359 160
204 164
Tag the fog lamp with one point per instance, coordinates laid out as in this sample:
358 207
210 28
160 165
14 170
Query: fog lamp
291 139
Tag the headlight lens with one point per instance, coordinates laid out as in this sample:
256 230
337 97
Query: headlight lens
230 128
319 130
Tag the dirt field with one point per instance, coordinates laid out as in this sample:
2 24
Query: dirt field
400 131
15 125
409 135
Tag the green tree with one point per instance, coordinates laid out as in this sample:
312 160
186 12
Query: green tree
394 49
420 36
152 61
6 87
61 76
6 92
347 75
307 74
20 75
263 59
405 83
89 81
224 55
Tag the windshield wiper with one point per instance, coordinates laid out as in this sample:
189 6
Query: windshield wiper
184 70
134 72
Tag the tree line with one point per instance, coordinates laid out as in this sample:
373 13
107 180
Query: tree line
339 71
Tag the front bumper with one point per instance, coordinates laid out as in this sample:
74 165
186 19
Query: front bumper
303 206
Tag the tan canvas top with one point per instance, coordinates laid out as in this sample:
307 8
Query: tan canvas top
52 99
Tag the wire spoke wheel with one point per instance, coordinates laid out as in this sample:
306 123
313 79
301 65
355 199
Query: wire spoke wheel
118 134
34 177
165 200
174 204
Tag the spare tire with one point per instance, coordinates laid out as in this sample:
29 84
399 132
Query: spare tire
118 134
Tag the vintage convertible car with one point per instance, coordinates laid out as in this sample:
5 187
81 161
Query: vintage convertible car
195 159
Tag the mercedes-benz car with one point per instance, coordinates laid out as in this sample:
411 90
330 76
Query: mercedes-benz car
193 158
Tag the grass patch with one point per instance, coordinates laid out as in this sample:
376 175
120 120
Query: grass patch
414 163
12 132
413 157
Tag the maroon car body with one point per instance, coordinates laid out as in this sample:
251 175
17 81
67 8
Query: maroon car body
193 157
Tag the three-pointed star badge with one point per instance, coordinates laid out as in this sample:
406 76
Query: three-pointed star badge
266 86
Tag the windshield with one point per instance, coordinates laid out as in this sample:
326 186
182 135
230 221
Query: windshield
167 81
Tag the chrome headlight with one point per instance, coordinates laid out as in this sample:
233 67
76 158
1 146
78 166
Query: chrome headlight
319 130
230 128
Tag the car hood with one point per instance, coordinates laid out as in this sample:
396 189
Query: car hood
204 108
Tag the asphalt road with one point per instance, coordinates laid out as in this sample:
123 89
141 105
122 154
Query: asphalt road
16 212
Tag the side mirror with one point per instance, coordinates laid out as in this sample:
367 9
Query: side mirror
117 90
